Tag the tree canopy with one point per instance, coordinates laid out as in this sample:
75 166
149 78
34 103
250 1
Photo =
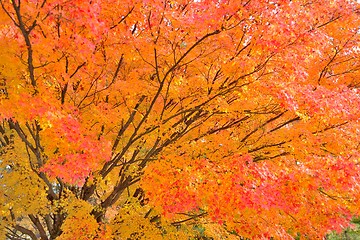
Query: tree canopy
178 119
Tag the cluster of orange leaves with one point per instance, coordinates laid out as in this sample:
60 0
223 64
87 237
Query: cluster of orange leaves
242 113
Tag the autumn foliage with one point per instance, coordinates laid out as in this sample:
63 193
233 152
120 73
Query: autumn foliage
179 119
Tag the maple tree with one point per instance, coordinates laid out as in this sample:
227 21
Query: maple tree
164 119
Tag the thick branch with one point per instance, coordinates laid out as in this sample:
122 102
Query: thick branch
26 34
26 232
39 227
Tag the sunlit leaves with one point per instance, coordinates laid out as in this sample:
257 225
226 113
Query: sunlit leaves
237 118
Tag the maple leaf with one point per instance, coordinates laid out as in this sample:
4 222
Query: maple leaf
188 118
